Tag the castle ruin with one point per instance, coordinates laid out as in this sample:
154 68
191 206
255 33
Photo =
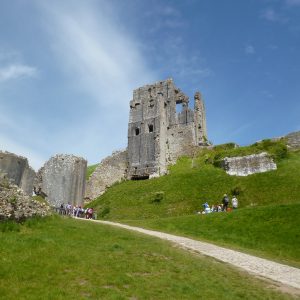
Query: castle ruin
161 128
62 179
17 170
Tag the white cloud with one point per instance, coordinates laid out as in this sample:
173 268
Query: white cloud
100 61
15 71
271 15
165 17
163 10
267 94
249 49
293 2
96 53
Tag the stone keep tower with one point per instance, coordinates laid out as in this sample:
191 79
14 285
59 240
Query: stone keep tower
157 133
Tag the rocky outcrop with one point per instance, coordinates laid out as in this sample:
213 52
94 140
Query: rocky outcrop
111 170
250 164
62 179
15 205
293 140
17 170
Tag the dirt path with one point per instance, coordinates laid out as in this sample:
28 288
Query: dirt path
288 276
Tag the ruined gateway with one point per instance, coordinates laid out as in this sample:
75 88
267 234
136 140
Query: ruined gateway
157 133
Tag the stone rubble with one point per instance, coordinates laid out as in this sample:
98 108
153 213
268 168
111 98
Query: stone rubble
16 205
293 140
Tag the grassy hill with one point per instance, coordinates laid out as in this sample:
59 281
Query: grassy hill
192 182
62 258
266 224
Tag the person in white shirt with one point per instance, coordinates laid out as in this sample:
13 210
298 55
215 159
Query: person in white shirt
234 202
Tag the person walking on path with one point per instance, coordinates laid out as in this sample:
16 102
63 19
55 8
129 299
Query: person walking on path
234 202
225 202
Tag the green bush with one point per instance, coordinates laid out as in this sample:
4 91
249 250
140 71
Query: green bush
236 191
158 197
226 146
105 211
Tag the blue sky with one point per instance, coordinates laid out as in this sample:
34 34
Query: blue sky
68 68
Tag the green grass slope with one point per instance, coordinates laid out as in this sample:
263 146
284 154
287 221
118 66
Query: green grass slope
193 182
269 231
266 223
61 258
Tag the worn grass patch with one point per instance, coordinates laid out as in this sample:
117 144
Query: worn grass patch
56 258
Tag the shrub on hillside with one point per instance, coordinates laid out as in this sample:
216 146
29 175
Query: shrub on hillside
104 212
158 197
226 146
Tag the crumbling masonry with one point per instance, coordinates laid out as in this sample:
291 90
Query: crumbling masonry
157 132
17 170
62 179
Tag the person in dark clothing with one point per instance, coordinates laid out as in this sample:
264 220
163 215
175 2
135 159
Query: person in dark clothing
225 202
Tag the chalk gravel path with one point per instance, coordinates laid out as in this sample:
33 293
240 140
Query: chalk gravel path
283 274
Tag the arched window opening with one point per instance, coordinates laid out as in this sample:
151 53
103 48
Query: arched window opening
137 131
150 127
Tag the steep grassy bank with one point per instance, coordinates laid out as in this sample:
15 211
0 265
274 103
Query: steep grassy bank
267 231
59 258
193 182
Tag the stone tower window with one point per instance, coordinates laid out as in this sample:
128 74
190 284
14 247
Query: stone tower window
137 131
179 107
150 128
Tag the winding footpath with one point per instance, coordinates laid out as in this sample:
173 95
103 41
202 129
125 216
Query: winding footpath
286 275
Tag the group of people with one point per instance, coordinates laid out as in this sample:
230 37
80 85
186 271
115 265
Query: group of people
224 206
77 211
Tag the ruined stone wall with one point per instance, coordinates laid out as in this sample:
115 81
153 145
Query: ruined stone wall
157 134
16 169
27 181
200 120
111 170
250 164
293 139
180 140
62 178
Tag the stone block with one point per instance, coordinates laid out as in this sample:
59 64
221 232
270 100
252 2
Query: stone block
293 140
250 164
